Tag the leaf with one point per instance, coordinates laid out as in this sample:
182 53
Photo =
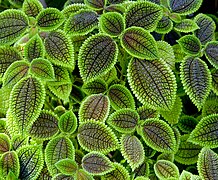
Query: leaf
77 94
68 122
177 136
112 23
185 175
94 107
124 120
73 8
210 106
187 152
4 99
166 156
186 26
120 173
44 173
31 161
141 178
120 97
164 26
16 3
11 176
206 30
211 51
43 69
139 43
184 7
67 166
208 164
5 144
62 177
132 150
214 87
196 80
143 14
190 44
58 148
179 54
61 91
9 162
97 56
187 123
96 163
34 48
32 7
206 132
12 125
45 126
59 49
95 4
166 170
81 22
49 19
83 175
13 24
96 136
146 113
142 170
115 8
153 83
158 135
19 141
95 87
26 101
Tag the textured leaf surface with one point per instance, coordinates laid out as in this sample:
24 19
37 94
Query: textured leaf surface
186 26
211 52
26 101
97 164
59 49
95 87
206 132
115 8
31 162
95 4
32 7
153 83
68 122
94 107
187 123
210 106
208 164
67 166
158 135
96 136
18 141
124 120
13 24
185 175
4 100
120 97
196 80
139 43
143 14
132 150
97 56
61 176
214 87
4 143
58 148
165 25
73 8
62 91
146 113
83 175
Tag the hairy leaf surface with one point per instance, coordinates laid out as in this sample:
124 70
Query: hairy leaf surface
4 143
32 7
186 26
95 87
211 51
146 113
18 141
214 87
95 4
62 91
185 175
164 26
67 166
68 122
73 8
187 123
210 106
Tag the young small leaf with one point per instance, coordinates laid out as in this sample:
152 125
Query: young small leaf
61 176
96 163
82 175
97 56
32 7
187 123
185 175
142 170
95 4
95 87
186 26
68 122
62 91
211 51
210 106
73 8
67 166
146 113
164 26
49 19
96 136
5 144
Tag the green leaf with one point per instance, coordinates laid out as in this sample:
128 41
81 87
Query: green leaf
96 107
206 30
97 56
185 175
177 136
45 126
214 87
11 176
109 74
124 120
44 173
83 175
68 122
59 49
34 48
132 150
73 8
196 79
142 170
77 94
12 125
115 8
31 161
187 123
206 132
157 88
62 177
96 136
67 166
120 173
208 164
187 152
179 54
139 43
184 7
112 23
16 3
81 22
158 135
186 26
26 101
164 26
13 24
143 14
32 7
166 170
96 163
4 99
95 4
141 178
95 87
19 141
120 97
49 19
166 156
146 113
210 106
9 162
211 51
190 44
5 144
43 69
58 148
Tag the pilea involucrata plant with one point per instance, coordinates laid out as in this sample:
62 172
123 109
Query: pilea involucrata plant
110 90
